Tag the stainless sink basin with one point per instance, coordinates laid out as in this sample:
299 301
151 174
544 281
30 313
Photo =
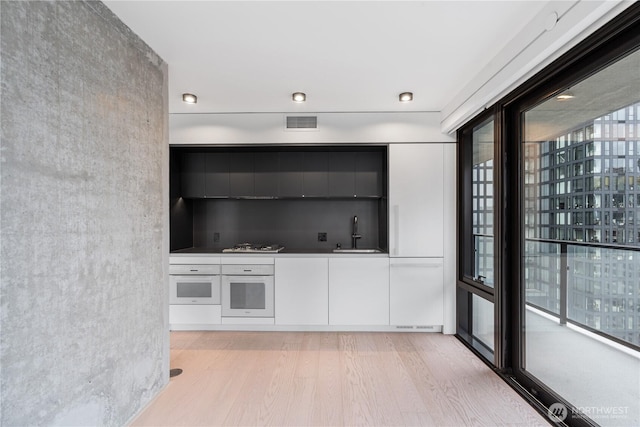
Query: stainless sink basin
358 251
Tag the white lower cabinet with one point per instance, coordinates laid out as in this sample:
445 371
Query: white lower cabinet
301 291
359 291
340 291
193 314
416 291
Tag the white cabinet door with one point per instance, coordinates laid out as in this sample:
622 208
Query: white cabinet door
416 199
417 292
301 291
358 291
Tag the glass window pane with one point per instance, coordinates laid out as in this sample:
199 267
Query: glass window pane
482 185
483 321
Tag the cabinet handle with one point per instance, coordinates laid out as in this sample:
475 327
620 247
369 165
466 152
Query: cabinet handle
247 271
193 270
396 229
416 264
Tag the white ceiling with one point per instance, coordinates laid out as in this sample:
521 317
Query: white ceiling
242 56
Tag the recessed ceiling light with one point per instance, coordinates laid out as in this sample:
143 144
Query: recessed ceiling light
299 97
189 98
564 96
406 96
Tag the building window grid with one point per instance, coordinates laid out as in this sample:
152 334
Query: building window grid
482 193
571 170
589 174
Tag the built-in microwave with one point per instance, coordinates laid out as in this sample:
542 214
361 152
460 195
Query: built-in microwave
247 291
194 284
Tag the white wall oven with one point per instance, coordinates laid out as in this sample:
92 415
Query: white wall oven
247 291
194 284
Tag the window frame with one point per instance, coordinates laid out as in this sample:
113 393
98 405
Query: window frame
467 285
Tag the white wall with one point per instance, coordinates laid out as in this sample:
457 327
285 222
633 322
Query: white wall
450 243
269 128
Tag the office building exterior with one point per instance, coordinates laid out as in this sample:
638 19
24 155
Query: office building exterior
582 193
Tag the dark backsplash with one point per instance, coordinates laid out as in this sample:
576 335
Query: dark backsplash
219 220
295 224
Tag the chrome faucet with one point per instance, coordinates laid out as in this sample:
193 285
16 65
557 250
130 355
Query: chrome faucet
354 235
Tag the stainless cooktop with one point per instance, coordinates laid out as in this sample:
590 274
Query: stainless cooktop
254 248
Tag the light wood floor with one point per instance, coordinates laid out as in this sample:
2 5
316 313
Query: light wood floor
332 379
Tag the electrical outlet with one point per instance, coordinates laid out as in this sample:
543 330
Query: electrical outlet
322 237
216 237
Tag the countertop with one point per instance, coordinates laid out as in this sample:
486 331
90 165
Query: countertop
284 252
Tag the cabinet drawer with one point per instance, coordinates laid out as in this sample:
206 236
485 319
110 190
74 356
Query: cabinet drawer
194 315
248 270
196 269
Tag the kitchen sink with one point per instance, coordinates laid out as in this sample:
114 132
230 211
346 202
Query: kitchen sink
358 251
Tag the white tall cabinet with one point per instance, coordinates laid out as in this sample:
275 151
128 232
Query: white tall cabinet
416 198
417 234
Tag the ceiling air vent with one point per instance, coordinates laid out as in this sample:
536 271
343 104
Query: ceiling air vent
302 122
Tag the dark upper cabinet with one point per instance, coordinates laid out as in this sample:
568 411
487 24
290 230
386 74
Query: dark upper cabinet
342 174
369 174
303 173
290 179
175 177
216 175
241 174
193 175
316 174
266 166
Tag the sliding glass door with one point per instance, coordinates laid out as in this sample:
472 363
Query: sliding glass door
580 245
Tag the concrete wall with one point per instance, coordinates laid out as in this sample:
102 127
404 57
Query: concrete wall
84 327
